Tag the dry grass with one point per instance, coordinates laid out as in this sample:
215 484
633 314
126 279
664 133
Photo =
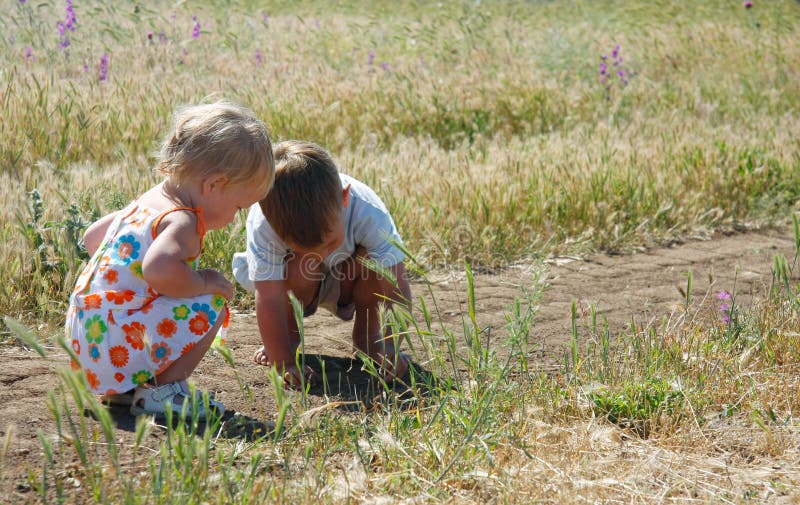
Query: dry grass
491 139
530 154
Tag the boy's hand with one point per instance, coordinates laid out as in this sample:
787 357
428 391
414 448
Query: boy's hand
394 366
291 375
292 378
216 283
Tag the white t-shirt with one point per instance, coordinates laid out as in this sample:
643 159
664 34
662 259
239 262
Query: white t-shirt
367 224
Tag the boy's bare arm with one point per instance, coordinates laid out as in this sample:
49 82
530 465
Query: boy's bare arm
402 292
271 314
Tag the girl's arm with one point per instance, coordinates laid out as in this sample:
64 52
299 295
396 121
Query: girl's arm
94 234
164 266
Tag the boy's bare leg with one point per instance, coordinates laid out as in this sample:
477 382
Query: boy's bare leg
368 291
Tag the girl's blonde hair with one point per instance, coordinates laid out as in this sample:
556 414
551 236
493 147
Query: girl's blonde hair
217 138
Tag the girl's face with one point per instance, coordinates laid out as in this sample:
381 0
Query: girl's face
224 200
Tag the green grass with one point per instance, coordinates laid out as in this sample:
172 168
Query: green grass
491 139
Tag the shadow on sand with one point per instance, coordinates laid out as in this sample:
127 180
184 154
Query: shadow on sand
341 379
347 380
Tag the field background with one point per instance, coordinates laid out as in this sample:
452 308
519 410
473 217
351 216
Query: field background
494 139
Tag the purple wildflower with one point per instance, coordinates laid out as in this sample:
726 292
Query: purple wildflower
259 58
149 35
162 38
85 68
725 308
28 52
22 2
385 66
371 57
71 20
264 18
196 30
746 4
103 69
613 63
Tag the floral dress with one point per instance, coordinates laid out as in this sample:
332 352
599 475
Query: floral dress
124 332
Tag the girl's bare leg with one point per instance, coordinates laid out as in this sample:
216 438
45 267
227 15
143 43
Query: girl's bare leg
182 368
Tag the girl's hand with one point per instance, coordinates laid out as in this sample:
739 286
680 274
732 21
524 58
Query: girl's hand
216 283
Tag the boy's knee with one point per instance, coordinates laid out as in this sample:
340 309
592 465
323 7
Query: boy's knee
303 281
306 293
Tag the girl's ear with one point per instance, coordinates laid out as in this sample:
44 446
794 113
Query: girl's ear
213 182
346 195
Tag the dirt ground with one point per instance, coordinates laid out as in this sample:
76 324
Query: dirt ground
641 287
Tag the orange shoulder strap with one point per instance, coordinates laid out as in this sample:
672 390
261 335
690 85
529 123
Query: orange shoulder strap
201 224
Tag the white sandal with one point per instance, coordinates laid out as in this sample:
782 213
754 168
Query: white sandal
154 400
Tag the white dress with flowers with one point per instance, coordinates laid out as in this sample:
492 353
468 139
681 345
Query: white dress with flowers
124 332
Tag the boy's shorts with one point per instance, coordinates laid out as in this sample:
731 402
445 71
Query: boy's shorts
328 298
327 294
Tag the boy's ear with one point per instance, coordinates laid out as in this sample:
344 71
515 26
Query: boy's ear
212 182
346 195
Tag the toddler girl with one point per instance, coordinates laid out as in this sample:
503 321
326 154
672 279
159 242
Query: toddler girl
142 316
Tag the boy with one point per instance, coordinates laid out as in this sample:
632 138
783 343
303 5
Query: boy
310 235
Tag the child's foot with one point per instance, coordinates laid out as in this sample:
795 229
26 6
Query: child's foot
260 357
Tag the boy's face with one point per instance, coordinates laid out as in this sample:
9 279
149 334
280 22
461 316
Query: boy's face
331 240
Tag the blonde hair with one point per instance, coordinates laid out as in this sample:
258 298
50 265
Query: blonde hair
217 138
306 193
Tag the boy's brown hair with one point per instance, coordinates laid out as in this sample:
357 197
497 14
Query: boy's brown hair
307 193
